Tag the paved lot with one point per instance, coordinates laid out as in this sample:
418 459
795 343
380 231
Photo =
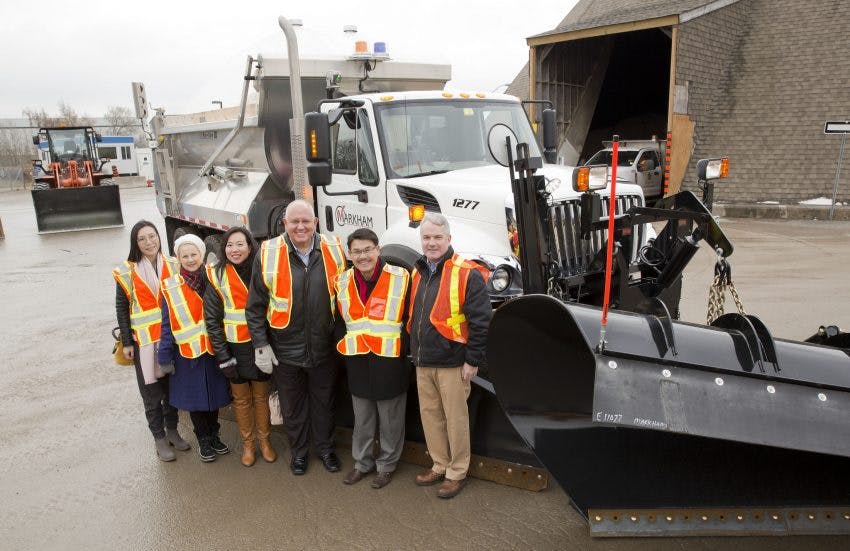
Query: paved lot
77 465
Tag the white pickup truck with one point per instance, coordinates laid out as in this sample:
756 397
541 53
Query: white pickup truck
639 162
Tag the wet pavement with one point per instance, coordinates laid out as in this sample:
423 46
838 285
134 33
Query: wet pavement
77 463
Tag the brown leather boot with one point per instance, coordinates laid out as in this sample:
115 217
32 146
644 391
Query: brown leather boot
260 390
243 409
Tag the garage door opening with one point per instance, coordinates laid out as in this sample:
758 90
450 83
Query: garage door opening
634 96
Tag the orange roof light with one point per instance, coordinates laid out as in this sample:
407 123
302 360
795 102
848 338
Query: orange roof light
448 95
480 95
724 167
386 98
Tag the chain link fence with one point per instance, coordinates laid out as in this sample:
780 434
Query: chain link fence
15 174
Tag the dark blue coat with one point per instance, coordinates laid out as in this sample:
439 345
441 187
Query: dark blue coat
197 384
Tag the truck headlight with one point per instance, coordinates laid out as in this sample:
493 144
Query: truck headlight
500 279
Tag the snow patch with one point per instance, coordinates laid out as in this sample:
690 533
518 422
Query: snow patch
820 202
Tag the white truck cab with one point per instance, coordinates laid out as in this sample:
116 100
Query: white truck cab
429 150
639 162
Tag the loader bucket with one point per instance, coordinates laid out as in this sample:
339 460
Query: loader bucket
676 428
80 208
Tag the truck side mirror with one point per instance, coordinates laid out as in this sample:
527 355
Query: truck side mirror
317 142
97 137
35 140
549 142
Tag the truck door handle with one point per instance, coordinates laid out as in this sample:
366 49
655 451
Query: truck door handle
329 218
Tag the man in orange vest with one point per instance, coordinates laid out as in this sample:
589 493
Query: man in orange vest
290 315
371 299
449 315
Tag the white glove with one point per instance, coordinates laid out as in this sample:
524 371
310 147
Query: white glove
264 358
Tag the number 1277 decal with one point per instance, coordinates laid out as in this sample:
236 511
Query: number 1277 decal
465 203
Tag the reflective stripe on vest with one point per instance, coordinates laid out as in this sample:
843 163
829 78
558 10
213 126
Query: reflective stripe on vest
145 314
376 326
234 296
447 312
277 275
186 313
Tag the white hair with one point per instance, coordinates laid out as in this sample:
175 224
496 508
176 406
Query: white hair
438 220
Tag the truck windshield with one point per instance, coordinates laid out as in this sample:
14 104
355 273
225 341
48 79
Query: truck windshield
434 136
624 158
68 144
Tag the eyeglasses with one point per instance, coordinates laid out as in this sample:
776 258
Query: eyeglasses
362 252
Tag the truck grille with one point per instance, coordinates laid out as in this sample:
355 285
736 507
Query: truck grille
572 253
412 196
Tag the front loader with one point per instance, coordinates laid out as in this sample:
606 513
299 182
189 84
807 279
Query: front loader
653 426
70 192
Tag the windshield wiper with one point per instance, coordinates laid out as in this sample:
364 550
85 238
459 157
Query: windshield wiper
426 173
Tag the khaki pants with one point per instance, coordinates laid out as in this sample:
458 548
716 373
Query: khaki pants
445 418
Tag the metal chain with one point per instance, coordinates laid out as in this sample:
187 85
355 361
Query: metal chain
717 291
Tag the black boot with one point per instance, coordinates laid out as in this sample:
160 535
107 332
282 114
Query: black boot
217 445
205 449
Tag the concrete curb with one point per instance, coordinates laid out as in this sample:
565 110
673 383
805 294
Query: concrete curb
781 212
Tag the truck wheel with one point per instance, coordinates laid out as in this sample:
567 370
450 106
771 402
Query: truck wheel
40 186
399 255
213 245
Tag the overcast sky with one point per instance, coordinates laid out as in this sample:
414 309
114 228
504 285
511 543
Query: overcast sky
86 53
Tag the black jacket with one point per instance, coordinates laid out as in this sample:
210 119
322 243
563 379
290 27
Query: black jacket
122 312
427 346
374 377
242 351
309 308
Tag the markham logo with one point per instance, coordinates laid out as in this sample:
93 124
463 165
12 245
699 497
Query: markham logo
346 219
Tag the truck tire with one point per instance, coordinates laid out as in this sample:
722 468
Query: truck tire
399 255
40 186
213 245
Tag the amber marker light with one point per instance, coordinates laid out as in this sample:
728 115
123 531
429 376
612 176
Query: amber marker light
724 167
416 213
464 95
448 95
583 179
314 146
480 96
386 98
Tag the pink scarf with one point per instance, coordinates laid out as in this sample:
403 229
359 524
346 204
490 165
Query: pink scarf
148 352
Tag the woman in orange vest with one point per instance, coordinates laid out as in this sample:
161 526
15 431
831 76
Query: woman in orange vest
224 313
197 385
137 306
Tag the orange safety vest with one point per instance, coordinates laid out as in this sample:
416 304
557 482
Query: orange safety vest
277 275
145 314
186 313
447 313
376 325
234 296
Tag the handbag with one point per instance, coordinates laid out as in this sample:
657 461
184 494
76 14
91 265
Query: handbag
274 409
118 349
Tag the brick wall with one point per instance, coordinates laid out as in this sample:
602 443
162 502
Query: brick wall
763 76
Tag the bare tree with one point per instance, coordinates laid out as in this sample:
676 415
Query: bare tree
120 121
68 116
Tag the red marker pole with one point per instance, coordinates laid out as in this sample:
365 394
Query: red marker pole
609 253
